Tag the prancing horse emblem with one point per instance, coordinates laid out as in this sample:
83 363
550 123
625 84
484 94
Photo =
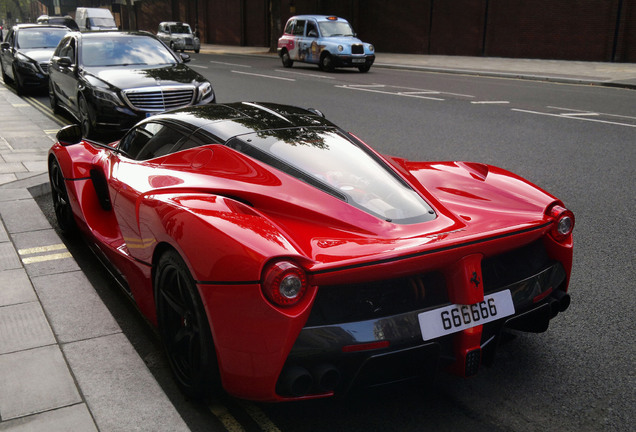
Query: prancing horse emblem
475 280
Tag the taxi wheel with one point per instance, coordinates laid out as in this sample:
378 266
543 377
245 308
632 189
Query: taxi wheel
364 68
326 63
286 59
196 51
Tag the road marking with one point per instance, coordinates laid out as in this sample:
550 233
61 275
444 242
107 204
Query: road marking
43 258
43 250
574 118
373 89
599 113
305 74
44 109
19 105
228 420
230 64
259 417
593 114
198 66
489 102
40 249
264 76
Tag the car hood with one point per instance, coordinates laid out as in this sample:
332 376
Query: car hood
125 77
342 40
40 55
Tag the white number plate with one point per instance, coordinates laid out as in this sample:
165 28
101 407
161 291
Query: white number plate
453 318
358 60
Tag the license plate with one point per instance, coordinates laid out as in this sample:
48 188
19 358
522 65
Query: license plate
358 60
454 318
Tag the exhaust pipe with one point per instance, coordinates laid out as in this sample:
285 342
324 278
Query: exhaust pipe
326 377
296 381
562 298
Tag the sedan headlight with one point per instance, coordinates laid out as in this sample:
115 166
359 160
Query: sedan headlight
205 90
26 62
340 48
107 95
371 48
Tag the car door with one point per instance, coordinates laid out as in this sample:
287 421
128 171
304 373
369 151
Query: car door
63 76
7 55
134 173
310 42
298 33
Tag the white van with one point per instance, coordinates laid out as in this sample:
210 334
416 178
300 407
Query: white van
91 19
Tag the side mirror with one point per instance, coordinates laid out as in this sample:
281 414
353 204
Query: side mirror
185 57
5 45
69 135
62 61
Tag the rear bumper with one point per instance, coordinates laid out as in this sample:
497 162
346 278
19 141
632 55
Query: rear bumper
390 349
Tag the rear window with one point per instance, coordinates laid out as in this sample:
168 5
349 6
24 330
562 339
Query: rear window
325 158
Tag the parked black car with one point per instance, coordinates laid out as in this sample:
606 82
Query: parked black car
111 80
25 55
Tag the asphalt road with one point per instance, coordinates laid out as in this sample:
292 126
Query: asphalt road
577 142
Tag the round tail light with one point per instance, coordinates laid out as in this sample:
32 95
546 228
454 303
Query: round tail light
563 223
284 283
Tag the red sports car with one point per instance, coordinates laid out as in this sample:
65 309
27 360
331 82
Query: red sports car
282 258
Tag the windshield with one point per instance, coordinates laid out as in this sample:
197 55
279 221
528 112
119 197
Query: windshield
124 51
180 28
329 161
335 28
39 38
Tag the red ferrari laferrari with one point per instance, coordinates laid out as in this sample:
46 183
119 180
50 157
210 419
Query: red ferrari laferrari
281 258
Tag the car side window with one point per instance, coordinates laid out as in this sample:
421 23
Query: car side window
299 28
290 27
66 49
312 29
149 141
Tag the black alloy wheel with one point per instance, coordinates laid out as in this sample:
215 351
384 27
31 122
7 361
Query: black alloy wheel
55 106
19 87
85 118
61 203
184 328
286 59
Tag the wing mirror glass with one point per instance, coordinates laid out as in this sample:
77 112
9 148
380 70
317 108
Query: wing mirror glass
68 135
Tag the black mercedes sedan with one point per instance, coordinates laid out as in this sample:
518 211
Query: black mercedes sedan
25 55
110 80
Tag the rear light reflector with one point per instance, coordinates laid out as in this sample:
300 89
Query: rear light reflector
365 346
563 223
284 283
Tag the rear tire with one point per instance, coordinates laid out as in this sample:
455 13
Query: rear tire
61 203
184 328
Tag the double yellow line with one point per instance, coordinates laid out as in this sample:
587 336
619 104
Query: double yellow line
41 253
